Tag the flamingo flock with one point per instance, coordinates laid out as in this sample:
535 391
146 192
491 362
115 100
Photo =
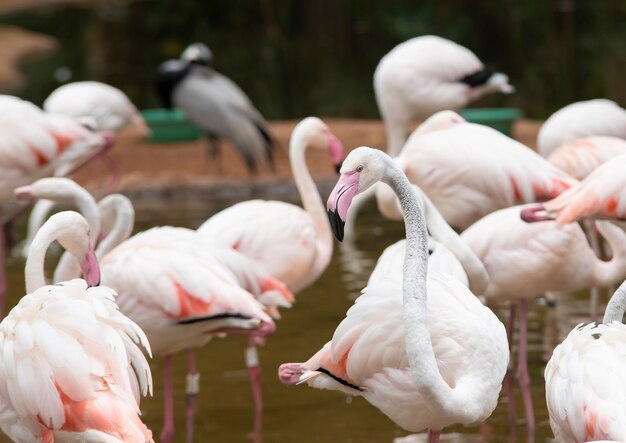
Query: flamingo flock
489 224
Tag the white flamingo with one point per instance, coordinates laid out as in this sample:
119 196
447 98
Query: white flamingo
294 244
583 156
429 359
527 260
104 105
425 75
170 249
469 170
581 119
71 368
585 390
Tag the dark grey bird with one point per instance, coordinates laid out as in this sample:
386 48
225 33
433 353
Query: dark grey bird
215 104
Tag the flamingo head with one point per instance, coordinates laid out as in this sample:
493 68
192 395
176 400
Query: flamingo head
317 135
90 268
360 170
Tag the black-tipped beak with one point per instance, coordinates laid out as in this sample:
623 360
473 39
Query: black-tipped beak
336 224
338 168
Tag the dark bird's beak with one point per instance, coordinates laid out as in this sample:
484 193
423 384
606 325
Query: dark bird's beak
338 168
336 224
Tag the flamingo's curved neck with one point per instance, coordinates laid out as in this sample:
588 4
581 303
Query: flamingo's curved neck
606 273
422 362
441 231
34 269
122 227
617 306
313 205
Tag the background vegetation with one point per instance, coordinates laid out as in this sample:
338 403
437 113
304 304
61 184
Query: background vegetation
298 57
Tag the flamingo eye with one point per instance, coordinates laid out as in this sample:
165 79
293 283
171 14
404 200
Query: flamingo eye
359 168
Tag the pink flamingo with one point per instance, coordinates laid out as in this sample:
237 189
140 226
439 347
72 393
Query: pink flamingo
173 248
585 390
425 75
293 244
600 194
72 369
490 170
106 106
581 119
426 352
525 260
582 156
36 144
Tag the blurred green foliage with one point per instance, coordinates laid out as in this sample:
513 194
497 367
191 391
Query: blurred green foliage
297 57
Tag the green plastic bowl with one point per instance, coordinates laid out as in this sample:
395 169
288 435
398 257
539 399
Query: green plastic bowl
169 125
497 118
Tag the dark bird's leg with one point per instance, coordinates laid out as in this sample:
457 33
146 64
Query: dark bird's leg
214 154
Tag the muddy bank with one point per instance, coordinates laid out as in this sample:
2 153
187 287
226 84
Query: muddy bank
165 171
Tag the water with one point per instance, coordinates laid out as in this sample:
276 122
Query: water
225 408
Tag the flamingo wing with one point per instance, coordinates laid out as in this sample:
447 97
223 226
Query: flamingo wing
600 194
581 157
581 119
470 170
72 363
278 235
585 390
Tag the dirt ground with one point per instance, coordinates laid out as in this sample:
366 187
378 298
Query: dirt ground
158 169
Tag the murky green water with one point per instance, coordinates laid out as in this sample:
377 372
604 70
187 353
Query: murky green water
225 409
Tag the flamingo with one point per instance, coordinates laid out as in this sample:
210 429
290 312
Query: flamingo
585 390
525 260
581 119
469 170
429 359
216 105
582 156
425 75
600 194
72 368
294 244
448 253
165 250
106 106
35 145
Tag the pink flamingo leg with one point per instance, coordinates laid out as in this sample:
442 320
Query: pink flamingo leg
433 436
3 276
254 371
167 434
192 390
510 375
522 365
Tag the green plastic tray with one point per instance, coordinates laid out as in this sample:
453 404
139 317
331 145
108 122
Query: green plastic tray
169 125
496 118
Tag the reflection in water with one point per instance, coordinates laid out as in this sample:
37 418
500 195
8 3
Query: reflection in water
225 408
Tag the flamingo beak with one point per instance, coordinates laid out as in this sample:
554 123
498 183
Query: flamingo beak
91 269
531 214
339 201
24 193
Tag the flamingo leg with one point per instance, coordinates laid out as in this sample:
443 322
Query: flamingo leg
254 372
433 436
510 374
3 276
522 365
167 434
114 176
192 390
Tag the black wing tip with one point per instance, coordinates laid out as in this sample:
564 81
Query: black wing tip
336 224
